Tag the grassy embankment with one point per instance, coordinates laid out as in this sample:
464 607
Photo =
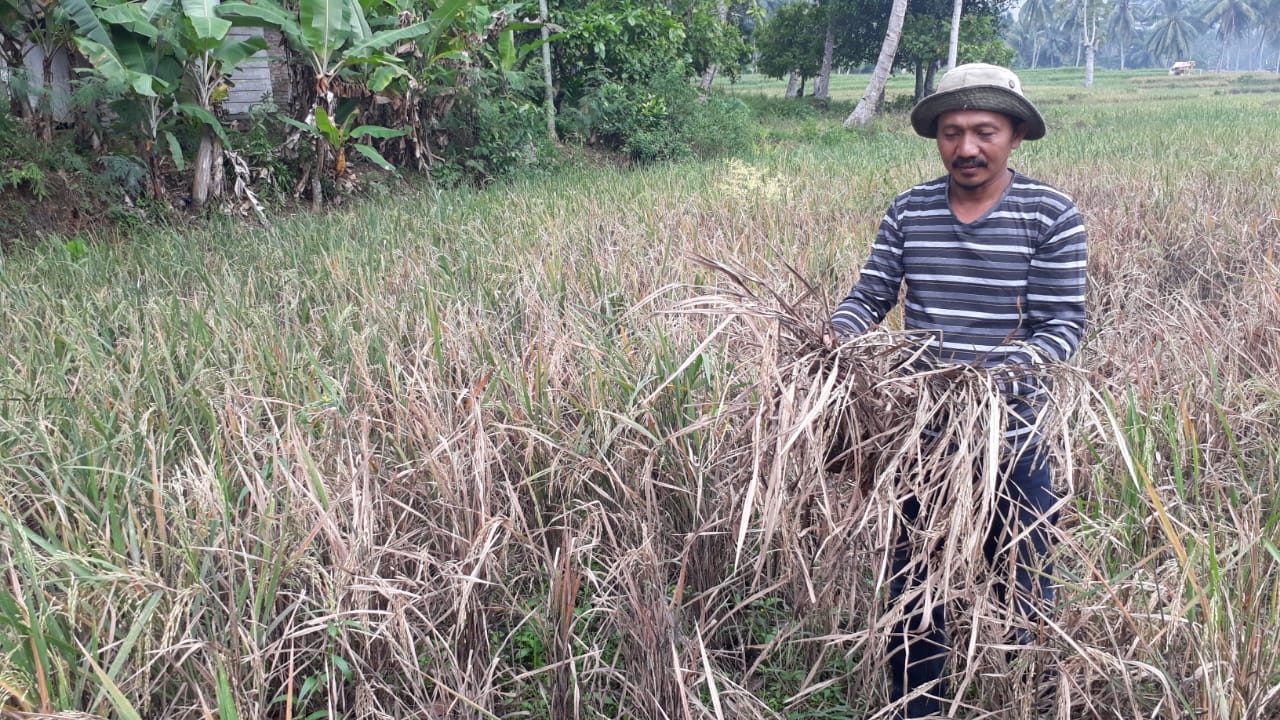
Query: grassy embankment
421 457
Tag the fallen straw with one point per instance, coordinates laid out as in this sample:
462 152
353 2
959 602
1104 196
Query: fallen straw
841 435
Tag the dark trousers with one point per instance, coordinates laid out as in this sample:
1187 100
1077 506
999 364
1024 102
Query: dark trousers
918 644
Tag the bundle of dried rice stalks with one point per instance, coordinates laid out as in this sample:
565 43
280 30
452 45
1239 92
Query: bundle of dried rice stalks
840 437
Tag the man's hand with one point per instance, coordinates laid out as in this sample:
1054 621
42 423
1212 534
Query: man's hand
830 337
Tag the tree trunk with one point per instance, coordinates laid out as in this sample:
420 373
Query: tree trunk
919 81
803 81
44 118
953 47
1122 57
869 103
709 76
549 93
203 168
154 176
317 189
218 186
930 75
1088 65
1035 51
793 82
11 57
821 86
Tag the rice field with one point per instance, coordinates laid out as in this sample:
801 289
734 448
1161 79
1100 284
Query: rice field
509 453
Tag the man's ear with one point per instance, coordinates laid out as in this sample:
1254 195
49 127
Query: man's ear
1019 133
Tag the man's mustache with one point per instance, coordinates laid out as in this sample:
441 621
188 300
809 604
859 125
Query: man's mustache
969 163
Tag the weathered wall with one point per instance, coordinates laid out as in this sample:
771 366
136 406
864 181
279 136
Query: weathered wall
33 78
265 76
251 82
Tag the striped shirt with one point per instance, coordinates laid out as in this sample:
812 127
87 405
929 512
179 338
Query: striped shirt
1004 290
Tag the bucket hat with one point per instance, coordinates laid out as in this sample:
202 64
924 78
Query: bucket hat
977 86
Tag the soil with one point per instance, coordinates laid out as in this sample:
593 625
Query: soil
67 209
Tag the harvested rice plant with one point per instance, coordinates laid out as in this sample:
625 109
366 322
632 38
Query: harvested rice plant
562 447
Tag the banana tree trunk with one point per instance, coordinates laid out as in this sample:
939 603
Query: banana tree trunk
203 167
322 162
870 101
218 185
44 118
793 83
155 176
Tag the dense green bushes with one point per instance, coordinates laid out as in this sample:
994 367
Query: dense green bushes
663 119
453 89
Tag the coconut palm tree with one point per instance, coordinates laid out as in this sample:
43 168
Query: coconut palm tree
1122 26
1072 25
1268 27
1232 18
953 44
1174 32
870 101
1036 15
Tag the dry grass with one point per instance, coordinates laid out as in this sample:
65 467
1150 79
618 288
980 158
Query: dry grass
840 438
476 455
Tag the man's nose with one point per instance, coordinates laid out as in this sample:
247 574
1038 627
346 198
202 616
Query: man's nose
968 145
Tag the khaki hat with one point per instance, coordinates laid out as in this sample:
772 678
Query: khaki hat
977 86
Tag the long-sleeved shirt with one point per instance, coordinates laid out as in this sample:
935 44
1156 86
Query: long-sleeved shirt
1004 290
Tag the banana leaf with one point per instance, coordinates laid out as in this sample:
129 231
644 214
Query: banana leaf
203 16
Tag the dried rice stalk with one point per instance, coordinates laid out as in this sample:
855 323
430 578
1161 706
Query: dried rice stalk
840 436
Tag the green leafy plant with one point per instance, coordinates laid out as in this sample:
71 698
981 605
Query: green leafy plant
336 40
147 50
25 174
340 137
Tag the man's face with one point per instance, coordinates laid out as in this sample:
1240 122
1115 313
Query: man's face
975 146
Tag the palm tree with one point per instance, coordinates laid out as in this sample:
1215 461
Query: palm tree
953 45
1089 39
1231 17
1122 26
1036 14
1268 25
1073 23
1174 32
870 101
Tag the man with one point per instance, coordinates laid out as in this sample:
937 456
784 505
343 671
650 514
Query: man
994 266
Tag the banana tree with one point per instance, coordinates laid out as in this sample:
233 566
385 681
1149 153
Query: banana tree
211 56
148 48
45 25
126 49
340 136
335 39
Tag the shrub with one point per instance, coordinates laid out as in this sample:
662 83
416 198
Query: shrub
663 119
258 140
24 173
721 126
491 132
